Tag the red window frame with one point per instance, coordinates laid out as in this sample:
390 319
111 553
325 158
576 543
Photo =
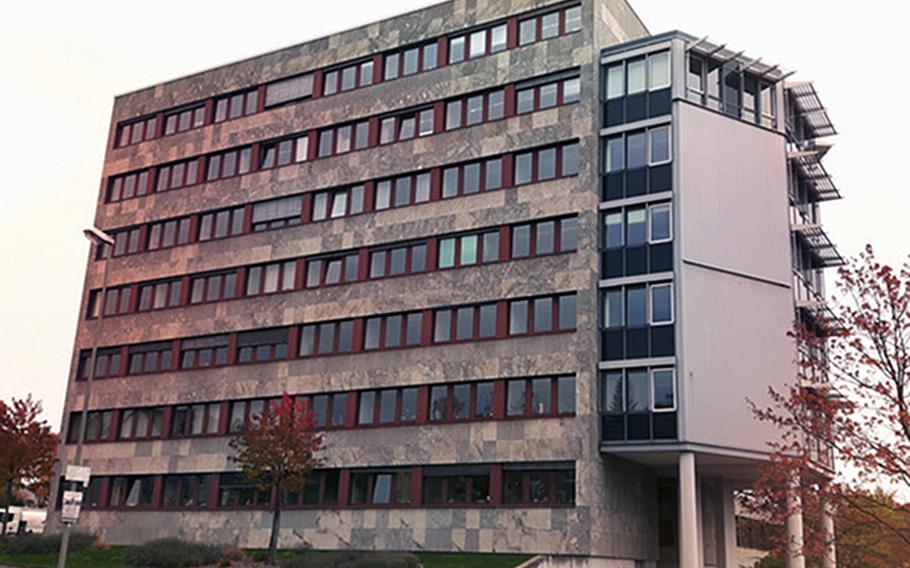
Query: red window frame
559 228
177 175
371 474
214 287
559 168
135 184
271 153
153 414
452 311
248 102
233 221
263 351
184 119
478 254
117 300
448 407
191 351
531 306
384 256
321 479
364 74
240 160
209 426
445 497
136 131
318 331
398 407
257 277
316 271
197 498
551 477
148 294
141 354
169 233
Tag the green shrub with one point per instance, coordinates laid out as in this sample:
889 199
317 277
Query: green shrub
352 559
44 544
172 552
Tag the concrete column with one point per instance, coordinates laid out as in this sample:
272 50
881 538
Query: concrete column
688 512
829 559
726 538
795 558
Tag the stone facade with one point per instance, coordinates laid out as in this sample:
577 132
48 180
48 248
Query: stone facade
614 515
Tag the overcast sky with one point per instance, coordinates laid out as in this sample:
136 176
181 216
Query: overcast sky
61 63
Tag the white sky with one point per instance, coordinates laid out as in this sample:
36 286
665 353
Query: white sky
61 63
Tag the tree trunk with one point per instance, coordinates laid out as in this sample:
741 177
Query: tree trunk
276 526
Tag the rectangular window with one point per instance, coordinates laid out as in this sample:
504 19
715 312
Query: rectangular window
659 145
409 66
549 26
262 345
430 57
636 76
453 114
614 314
478 44
474 113
203 352
483 407
613 230
660 223
661 304
456 49
228 164
518 317
571 90
659 70
636 230
541 396
637 149
565 395
637 389
663 390
498 38
277 213
527 31
613 393
615 154
573 19
567 312
525 101
547 96
616 81
516 398
495 105
289 89
636 306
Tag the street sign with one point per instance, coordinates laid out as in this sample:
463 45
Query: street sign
78 473
72 504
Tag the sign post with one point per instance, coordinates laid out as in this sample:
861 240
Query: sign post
72 504
78 478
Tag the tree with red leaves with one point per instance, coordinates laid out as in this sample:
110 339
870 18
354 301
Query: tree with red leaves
277 451
850 404
27 448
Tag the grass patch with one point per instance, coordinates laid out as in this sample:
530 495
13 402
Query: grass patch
87 558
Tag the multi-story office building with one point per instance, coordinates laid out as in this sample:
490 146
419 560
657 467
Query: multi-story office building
526 261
